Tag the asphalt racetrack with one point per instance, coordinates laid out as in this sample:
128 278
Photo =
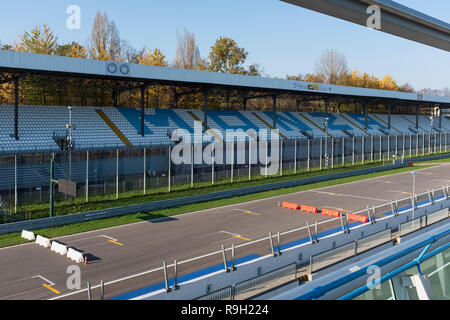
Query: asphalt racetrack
130 257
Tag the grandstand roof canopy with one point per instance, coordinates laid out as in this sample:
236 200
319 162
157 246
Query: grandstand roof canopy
396 19
28 63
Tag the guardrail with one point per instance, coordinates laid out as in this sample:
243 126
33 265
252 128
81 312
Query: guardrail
255 286
421 222
415 263
170 203
328 258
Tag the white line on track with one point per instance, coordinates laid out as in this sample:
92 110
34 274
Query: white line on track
14 281
46 280
348 195
108 237
20 293
402 192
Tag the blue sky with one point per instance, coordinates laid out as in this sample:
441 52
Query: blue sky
282 38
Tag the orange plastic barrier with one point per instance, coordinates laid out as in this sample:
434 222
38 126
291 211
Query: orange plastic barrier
291 205
331 212
309 209
357 217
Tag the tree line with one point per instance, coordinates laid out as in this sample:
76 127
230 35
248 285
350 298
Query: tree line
225 55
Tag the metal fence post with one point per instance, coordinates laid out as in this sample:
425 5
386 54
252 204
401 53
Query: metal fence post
396 146
389 147
281 158
423 145
117 173
279 244
249 160
346 222
309 233
342 224
410 145
373 214
320 155
371 148
145 171
430 197
102 290
232 161
233 258
332 153
170 168
175 275
166 279
295 156
267 155
308 164
224 259
381 147
192 166
392 208
417 144
271 244
316 229
89 291
87 177
363 149
353 151
15 184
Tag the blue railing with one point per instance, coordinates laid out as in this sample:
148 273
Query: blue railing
416 262
319 291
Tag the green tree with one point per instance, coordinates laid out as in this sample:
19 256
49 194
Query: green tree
153 58
39 40
227 57
74 50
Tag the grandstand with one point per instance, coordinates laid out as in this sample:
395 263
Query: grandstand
109 128
32 134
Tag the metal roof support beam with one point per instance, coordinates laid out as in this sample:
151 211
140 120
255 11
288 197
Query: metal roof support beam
389 109
417 117
114 97
143 87
396 19
274 110
16 108
16 101
205 109
365 115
